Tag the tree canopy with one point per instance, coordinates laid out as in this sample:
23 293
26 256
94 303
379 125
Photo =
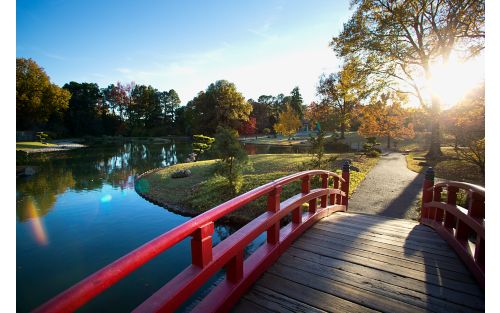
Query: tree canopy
288 122
385 117
343 92
220 105
399 41
37 99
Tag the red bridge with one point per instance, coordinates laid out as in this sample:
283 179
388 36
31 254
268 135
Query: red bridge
343 263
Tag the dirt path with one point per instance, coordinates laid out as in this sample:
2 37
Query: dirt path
390 189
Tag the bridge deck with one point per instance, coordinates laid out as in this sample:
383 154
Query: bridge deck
359 263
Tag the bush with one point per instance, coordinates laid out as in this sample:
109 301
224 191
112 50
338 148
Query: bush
333 145
42 137
373 154
202 143
266 131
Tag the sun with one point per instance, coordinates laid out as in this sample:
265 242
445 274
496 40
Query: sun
450 81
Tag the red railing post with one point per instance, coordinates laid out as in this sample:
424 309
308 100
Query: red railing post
345 185
273 205
476 206
436 213
234 268
335 198
426 193
324 184
450 221
306 184
201 245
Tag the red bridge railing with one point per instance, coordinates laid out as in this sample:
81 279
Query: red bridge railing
462 228
208 260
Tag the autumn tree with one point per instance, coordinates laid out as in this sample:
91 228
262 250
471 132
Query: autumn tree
320 113
249 127
288 122
343 91
37 99
385 117
399 41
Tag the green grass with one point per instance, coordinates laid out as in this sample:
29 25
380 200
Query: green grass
33 145
204 189
447 167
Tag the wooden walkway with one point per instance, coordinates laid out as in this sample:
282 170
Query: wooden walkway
364 263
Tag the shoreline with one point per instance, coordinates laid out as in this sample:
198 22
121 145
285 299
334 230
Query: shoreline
177 208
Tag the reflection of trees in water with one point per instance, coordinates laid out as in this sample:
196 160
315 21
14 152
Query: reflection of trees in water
89 169
41 190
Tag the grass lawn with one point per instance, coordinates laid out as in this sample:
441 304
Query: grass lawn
204 190
448 167
33 145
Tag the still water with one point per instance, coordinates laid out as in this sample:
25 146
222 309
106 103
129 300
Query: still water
80 212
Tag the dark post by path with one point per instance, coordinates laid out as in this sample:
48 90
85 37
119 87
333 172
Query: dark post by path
427 192
345 185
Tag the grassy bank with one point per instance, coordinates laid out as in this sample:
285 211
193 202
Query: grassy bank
33 145
203 190
447 167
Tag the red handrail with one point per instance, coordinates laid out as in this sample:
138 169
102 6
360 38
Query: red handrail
455 223
206 260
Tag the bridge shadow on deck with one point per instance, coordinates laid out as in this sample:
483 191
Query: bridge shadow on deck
359 263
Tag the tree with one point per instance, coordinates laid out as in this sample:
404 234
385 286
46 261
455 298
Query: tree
320 113
400 40
386 117
220 105
248 127
343 91
296 101
37 99
232 156
169 102
260 111
466 122
82 116
288 122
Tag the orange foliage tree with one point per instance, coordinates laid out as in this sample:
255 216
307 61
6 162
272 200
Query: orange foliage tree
288 122
385 117
320 113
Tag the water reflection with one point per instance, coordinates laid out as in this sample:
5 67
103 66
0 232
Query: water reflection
89 169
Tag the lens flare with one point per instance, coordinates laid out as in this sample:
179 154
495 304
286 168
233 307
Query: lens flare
106 198
36 224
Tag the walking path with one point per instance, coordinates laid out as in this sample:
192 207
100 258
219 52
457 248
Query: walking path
390 189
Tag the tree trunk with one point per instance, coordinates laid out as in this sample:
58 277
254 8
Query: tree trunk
435 145
342 130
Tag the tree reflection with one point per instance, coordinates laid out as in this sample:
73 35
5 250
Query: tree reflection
89 169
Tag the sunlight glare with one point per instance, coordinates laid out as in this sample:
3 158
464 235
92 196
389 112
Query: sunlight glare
450 81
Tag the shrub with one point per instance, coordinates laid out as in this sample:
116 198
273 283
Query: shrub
373 154
266 131
317 148
42 137
202 143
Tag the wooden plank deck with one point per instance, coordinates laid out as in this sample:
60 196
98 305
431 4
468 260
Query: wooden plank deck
363 263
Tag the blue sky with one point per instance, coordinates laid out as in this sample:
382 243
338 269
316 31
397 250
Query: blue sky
264 47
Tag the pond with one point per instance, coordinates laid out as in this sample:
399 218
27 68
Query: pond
80 212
